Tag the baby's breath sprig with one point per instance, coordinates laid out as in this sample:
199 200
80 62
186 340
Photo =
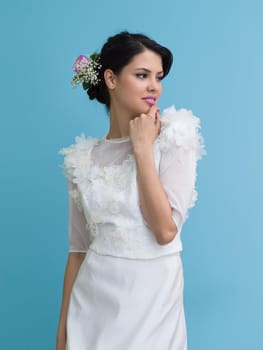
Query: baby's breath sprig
87 69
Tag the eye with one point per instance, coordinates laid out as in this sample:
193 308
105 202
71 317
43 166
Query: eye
141 75
159 78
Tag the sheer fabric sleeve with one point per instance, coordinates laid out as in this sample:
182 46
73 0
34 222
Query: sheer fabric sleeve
76 166
77 230
177 175
181 146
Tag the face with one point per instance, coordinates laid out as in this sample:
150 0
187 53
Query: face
138 86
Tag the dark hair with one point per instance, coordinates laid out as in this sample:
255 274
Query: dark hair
117 52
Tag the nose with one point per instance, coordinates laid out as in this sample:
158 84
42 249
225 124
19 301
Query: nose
154 85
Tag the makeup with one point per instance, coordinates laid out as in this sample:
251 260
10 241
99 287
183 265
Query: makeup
150 100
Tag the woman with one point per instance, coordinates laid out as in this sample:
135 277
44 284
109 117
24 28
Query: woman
129 196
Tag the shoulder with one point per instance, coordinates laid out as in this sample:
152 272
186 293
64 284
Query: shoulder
77 156
181 129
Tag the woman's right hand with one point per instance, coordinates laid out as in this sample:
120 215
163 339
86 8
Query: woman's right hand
145 128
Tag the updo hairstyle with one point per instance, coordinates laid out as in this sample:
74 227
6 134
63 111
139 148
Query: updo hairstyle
118 52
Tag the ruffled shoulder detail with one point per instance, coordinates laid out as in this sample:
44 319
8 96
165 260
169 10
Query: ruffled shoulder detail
180 128
77 158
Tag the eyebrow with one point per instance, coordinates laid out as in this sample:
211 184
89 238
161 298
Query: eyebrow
148 70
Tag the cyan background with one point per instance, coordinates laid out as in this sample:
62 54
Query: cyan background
217 73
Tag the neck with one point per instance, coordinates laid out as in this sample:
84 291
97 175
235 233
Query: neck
119 123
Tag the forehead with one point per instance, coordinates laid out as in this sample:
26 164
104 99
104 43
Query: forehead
146 59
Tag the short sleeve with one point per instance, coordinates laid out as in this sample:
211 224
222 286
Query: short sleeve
181 146
78 232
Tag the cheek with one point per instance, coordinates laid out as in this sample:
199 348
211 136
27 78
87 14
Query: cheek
160 90
134 90
130 86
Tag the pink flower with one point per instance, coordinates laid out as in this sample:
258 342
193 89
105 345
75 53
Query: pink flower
80 62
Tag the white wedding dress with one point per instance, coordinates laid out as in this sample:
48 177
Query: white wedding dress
128 294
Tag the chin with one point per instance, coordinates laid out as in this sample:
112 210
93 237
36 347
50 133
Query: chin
141 109
145 109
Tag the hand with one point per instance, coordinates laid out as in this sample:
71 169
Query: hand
145 128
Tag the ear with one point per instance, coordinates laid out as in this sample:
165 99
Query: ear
110 79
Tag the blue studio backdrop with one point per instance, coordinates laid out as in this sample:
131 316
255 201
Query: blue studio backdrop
217 73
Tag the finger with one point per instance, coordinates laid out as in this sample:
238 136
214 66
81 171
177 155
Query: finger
158 124
156 115
157 119
152 111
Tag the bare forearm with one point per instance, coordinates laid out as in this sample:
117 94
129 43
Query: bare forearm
154 202
72 268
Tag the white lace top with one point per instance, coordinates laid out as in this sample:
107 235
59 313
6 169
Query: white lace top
105 210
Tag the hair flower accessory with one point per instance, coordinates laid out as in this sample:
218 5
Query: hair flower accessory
87 69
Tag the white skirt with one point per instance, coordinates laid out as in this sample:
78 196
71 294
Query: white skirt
127 304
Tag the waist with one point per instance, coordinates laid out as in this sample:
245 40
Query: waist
133 243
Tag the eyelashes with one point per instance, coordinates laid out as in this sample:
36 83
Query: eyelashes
145 75
141 75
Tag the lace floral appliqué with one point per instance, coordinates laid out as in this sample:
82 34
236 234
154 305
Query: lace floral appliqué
181 129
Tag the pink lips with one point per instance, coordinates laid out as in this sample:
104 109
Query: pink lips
151 100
